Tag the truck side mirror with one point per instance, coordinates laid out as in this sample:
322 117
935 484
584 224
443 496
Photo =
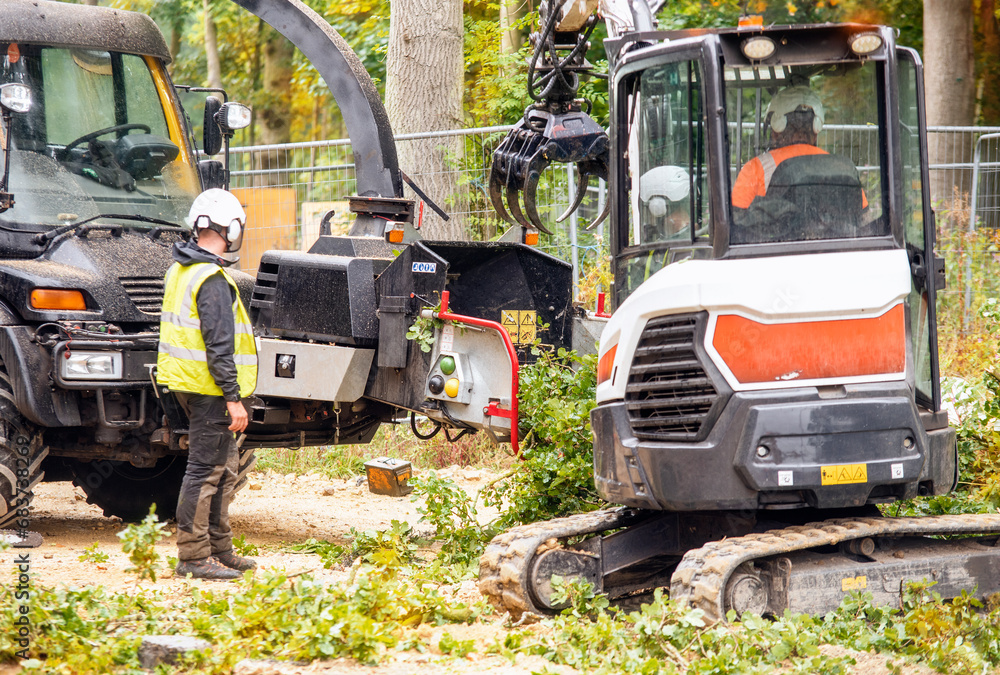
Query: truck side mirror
212 133
14 98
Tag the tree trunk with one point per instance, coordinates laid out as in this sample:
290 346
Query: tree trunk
274 114
214 67
949 76
424 84
988 76
510 12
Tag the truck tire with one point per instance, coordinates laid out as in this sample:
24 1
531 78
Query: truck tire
126 491
19 440
247 461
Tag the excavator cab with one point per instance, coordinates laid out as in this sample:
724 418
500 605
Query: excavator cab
801 273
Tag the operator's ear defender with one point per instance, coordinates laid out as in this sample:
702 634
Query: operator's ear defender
792 99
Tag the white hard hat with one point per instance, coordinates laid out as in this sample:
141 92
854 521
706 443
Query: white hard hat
661 184
221 212
791 99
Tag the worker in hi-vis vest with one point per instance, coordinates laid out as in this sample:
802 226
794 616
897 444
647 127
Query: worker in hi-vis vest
208 359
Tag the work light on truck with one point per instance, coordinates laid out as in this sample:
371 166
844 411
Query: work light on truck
233 116
15 97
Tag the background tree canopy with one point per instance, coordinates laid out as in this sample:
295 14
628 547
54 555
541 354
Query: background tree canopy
252 70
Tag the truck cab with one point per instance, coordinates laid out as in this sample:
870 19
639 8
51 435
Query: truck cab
100 173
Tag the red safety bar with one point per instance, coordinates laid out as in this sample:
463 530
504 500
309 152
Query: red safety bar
492 409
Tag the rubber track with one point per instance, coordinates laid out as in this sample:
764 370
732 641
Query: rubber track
701 577
505 566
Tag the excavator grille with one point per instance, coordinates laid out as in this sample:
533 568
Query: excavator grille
145 292
669 395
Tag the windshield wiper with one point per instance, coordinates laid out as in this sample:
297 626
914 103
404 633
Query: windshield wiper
165 225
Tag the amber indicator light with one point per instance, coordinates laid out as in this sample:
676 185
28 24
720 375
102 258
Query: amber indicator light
57 298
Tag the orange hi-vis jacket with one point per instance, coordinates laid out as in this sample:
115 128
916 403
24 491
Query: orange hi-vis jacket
756 174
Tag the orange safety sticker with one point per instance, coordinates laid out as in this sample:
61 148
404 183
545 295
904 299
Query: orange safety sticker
13 53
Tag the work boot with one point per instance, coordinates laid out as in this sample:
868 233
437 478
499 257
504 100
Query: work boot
206 568
235 562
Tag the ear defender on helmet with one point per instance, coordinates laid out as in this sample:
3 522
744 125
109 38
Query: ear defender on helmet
792 99
221 212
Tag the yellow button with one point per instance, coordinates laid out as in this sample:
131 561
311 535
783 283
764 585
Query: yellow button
451 387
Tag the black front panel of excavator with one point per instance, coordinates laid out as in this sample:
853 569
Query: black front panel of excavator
780 449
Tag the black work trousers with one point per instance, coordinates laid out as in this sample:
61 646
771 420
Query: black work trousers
213 463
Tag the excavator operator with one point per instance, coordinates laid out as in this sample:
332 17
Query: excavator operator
795 116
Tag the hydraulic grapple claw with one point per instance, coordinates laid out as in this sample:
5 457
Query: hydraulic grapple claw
584 170
543 137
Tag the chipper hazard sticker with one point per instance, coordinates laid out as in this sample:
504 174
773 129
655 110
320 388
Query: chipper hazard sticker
842 474
520 324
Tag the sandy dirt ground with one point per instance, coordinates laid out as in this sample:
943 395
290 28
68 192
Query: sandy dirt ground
275 511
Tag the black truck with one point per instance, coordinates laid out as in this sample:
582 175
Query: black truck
100 169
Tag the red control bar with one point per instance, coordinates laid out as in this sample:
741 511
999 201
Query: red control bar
492 409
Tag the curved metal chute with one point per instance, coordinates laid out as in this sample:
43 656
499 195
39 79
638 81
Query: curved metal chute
376 164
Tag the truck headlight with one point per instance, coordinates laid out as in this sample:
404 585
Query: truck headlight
91 366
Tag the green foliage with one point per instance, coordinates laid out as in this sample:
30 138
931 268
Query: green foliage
244 547
93 554
422 331
453 514
89 630
330 554
139 542
556 477
460 648
384 549
977 405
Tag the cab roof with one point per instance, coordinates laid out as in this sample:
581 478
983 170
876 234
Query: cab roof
61 24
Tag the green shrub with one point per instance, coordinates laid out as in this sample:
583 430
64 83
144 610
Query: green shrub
556 477
139 542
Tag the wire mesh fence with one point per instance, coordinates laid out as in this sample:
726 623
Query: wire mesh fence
289 188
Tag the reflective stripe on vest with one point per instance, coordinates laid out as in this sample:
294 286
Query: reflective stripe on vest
181 363
769 165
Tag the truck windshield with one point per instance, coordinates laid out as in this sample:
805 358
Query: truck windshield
96 140
806 154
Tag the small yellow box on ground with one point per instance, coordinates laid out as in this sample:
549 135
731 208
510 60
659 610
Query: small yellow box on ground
387 476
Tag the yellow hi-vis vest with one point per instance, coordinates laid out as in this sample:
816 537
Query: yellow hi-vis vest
181 364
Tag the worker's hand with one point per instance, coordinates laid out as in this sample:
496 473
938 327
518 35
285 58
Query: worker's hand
239 416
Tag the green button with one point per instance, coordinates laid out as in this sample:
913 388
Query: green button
448 365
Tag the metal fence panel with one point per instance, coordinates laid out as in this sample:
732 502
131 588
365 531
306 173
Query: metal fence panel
288 189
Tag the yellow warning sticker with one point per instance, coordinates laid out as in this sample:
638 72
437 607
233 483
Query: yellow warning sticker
858 583
521 324
842 474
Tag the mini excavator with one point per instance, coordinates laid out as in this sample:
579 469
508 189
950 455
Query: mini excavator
769 376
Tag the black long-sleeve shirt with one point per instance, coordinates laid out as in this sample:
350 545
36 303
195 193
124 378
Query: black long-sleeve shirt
218 330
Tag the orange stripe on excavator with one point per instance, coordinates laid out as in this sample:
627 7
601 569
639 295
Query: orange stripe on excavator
811 350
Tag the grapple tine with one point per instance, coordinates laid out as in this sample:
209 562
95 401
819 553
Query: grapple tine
513 201
582 182
530 203
600 218
496 198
